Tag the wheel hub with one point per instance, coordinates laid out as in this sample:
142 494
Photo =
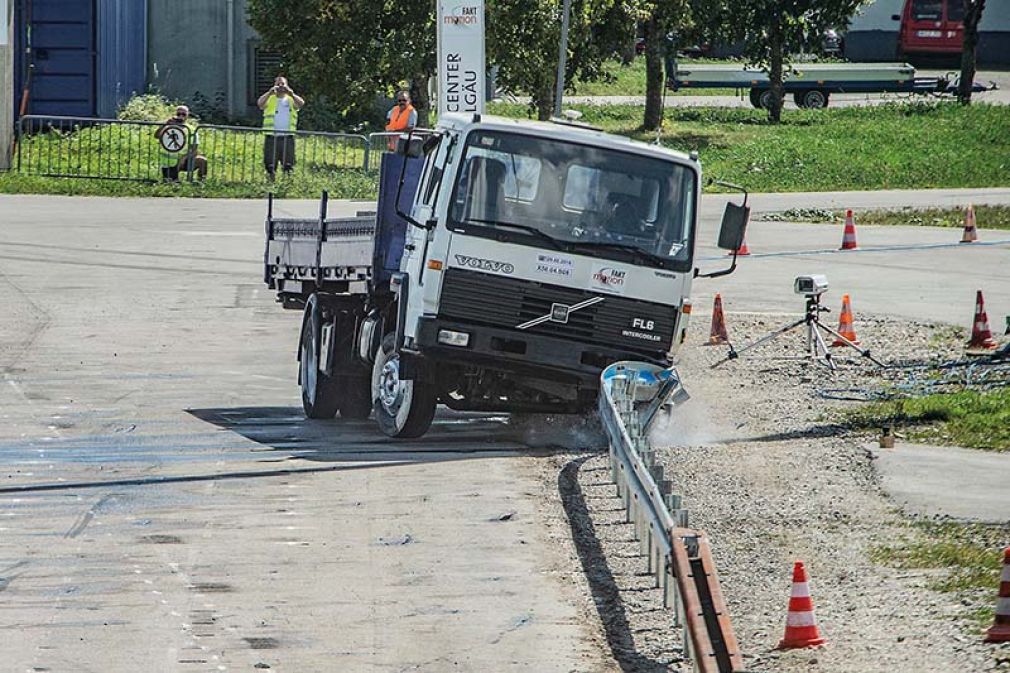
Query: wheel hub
390 388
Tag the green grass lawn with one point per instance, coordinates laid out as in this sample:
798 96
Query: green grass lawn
979 420
895 146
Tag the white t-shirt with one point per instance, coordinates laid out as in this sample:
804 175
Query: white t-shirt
282 120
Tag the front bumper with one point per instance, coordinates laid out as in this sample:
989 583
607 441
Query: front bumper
520 353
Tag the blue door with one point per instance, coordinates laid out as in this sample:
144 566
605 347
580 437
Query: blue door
62 41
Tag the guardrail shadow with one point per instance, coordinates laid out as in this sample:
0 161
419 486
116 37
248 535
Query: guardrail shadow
606 594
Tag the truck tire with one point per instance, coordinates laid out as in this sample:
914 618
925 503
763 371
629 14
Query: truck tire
811 99
356 401
403 409
320 393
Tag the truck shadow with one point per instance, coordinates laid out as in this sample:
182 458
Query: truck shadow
286 433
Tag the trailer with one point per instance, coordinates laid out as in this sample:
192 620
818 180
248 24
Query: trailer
505 266
812 84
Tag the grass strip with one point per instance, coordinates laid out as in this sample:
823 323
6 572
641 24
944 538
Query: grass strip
986 217
967 558
979 420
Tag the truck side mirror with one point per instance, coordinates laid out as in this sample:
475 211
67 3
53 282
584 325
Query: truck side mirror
410 146
731 233
734 225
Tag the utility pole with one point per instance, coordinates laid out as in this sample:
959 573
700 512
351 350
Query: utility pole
6 82
562 58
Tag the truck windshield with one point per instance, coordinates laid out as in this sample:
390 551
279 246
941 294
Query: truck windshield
586 199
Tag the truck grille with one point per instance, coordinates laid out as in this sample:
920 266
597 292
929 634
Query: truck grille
485 299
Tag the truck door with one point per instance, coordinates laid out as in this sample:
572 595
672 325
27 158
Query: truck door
416 252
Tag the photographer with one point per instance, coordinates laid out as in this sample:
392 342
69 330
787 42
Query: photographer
182 154
280 105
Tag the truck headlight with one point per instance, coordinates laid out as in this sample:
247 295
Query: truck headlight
451 338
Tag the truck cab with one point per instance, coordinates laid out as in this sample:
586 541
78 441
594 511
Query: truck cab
534 255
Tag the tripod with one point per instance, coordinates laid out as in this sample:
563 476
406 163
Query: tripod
817 349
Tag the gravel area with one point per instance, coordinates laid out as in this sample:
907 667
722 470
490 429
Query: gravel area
772 479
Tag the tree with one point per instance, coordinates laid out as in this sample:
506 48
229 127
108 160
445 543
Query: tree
772 29
350 51
972 16
523 38
660 18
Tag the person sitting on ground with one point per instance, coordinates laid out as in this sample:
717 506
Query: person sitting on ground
180 150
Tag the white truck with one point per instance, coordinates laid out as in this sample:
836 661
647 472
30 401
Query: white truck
507 265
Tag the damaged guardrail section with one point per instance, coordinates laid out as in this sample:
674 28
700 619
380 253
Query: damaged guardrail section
632 395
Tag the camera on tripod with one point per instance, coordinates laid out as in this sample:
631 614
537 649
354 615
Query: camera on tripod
810 286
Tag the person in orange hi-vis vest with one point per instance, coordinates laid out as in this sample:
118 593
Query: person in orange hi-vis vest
401 117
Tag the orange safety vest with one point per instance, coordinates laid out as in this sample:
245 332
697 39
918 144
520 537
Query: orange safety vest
398 119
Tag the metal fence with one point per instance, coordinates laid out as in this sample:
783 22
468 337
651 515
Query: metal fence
631 396
111 149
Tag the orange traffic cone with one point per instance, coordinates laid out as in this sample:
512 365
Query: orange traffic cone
718 335
801 624
849 236
742 251
970 234
981 337
999 632
845 326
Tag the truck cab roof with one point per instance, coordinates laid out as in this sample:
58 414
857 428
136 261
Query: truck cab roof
559 130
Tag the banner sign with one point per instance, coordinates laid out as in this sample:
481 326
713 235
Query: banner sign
461 70
3 22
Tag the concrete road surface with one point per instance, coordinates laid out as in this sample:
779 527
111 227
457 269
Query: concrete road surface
165 507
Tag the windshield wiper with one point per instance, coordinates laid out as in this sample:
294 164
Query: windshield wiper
555 243
624 247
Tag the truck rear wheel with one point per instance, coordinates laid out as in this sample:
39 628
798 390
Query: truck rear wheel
320 393
403 409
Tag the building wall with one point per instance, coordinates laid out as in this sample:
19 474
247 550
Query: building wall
199 52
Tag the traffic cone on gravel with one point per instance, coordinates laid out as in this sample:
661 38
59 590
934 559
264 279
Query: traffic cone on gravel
849 236
845 324
718 335
999 632
742 251
981 336
801 624
970 234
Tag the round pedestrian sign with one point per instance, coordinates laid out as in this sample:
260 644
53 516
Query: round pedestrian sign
173 139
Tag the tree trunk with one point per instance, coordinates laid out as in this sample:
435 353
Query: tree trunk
775 73
972 15
419 99
655 43
543 100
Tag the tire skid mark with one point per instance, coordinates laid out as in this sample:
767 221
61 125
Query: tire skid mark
84 519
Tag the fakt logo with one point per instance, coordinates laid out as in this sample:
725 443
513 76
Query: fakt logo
484 264
608 277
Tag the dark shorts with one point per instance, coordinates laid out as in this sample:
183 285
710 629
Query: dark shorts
278 150
170 173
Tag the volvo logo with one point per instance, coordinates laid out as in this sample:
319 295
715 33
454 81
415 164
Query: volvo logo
559 313
484 264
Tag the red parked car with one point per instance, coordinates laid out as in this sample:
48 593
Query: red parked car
930 27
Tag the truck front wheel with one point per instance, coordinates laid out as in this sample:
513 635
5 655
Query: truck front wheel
320 393
403 409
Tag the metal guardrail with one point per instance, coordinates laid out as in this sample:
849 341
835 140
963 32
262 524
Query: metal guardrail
631 395
113 149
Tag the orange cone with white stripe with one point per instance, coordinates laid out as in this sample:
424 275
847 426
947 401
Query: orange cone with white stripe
981 336
970 234
801 624
845 324
718 335
849 236
743 250
999 632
